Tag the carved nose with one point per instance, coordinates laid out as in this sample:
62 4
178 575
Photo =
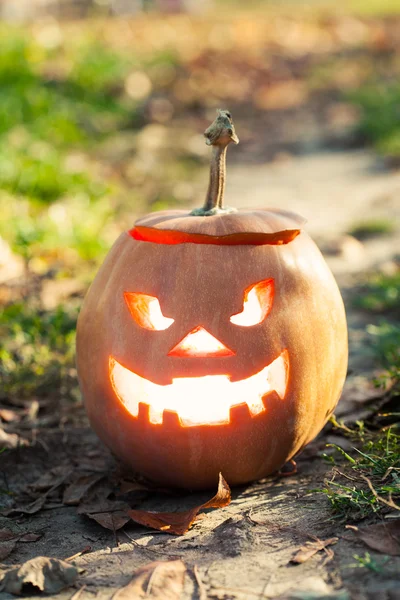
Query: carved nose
199 343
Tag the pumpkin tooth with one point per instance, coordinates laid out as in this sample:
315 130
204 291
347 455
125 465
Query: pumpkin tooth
171 419
143 412
240 413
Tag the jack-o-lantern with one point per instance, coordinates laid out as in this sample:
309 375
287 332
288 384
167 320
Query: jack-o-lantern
212 341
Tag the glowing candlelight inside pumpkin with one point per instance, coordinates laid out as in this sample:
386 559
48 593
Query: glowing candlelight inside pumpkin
199 400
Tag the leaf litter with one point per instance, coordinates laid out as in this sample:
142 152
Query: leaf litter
9 539
113 514
40 574
311 548
159 580
383 537
179 523
38 504
77 490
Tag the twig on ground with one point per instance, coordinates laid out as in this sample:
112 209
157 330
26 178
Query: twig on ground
147 549
78 554
77 594
200 584
389 502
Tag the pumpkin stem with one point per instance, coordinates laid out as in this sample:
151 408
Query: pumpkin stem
219 135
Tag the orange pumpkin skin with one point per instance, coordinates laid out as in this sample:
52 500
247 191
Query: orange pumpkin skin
202 285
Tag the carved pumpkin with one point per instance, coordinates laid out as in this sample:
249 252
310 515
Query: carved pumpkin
212 341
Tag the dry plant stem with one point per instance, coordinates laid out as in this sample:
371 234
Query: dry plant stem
219 135
216 186
389 502
202 590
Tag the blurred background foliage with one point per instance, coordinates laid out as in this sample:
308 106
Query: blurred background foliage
102 108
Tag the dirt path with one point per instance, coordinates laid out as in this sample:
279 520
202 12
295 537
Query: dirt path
242 551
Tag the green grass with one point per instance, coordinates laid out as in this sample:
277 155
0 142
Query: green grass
366 479
373 7
37 171
355 7
62 109
381 294
372 228
37 352
379 124
71 236
370 563
55 103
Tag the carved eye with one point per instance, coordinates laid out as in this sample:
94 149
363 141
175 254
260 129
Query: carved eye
257 304
146 311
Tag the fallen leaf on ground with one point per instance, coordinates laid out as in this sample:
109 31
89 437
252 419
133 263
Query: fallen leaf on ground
156 581
109 514
8 540
7 534
55 476
76 491
48 575
310 548
180 522
131 486
36 505
110 520
30 537
384 537
27 509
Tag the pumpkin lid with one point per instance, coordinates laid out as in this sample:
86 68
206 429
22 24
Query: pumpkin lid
253 227
215 223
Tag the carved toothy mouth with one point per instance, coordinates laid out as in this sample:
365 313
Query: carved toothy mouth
199 400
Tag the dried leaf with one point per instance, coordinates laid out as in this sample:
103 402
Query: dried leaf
155 581
109 514
38 504
310 548
76 491
110 520
26 509
6 548
180 522
48 575
7 534
30 537
131 486
384 537
55 476
98 496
